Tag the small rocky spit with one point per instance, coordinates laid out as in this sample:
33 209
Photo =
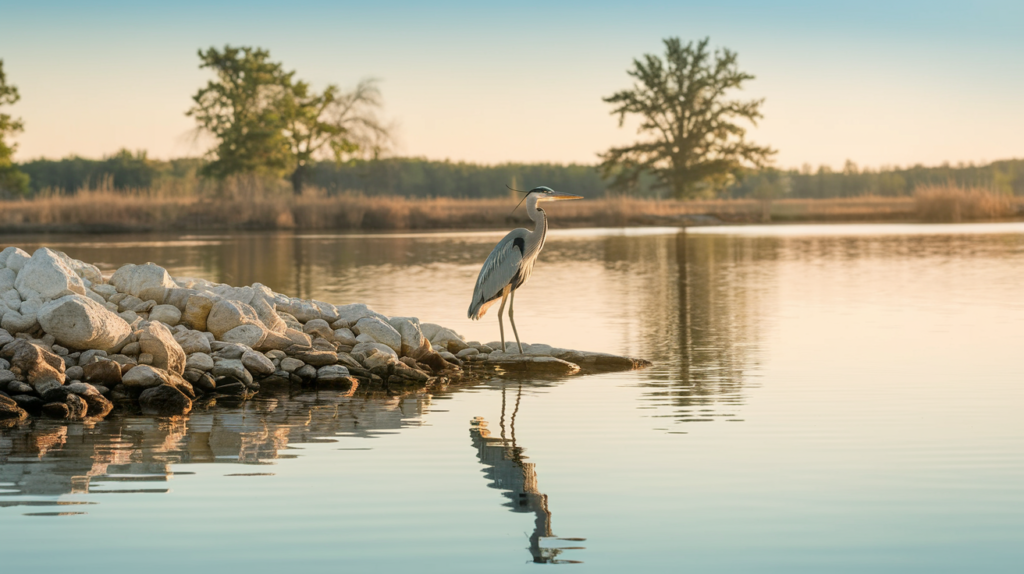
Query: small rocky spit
76 344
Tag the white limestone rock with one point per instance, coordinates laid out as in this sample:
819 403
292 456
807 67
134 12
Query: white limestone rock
445 338
197 311
103 289
13 258
156 339
7 277
45 276
368 348
143 377
78 322
226 315
11 299
230 368
249 335
132 279
193 342
200 361
167 314
267 314
345 337
15 322
409 329
354 312
332 373
380 331
257 363
318 328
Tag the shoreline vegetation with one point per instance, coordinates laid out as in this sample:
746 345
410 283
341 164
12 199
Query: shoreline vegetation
105 209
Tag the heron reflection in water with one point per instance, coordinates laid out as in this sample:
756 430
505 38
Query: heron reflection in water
511 262
507 470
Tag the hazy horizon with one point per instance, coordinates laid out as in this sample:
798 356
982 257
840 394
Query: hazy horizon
877 84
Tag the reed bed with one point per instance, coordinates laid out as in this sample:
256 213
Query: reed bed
257 206
951 203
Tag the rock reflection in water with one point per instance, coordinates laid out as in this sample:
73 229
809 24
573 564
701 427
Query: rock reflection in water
136 454
506 467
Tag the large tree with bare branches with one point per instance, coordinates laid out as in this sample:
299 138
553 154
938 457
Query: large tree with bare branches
692 140
332 124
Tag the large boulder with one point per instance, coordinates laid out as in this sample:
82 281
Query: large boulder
197 309
249 335
10 410
132 279
225 315
84 270
164 400
13 258
199 362
301 309
167 314
379 331
412 336
16 322
80 323
368 348
268 314
7 277
157 340
350 314
445 338
106 373
99 406
41 368
77 407
143 377
258 363
315 357
193 342
318 328
46 276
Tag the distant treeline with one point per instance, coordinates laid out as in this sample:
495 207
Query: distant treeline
417 177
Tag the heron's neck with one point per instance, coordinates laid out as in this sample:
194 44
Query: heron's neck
540 219
536 214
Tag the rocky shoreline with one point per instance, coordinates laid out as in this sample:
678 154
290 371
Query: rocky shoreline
75 344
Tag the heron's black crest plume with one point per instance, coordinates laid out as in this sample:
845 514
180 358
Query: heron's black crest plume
521 200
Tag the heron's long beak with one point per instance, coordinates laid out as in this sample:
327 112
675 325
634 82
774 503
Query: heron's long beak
561 196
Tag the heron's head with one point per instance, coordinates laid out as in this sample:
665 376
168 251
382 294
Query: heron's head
545 193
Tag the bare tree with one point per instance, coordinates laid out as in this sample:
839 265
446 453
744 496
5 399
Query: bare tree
333 124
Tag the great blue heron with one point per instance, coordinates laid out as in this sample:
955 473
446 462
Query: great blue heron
511 262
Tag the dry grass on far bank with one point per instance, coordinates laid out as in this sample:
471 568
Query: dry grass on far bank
144 210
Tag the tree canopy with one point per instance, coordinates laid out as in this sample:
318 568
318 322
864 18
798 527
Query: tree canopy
242 109
268 122
693 143
11 179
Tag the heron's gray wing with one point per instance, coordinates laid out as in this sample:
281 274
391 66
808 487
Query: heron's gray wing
499 269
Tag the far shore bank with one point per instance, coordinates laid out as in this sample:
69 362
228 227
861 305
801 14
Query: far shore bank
112 212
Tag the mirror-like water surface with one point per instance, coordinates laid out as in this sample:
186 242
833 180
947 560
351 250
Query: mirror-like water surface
823 399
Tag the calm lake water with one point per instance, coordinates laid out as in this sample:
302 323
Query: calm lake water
823 399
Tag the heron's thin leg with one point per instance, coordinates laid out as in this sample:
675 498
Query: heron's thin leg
501 325
513 321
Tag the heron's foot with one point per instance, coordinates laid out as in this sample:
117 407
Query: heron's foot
520 347
503 347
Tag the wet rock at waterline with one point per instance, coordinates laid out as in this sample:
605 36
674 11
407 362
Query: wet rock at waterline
144 338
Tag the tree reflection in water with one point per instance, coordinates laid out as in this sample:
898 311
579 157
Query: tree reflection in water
506 467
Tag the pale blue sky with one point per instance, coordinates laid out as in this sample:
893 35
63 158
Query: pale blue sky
880 83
